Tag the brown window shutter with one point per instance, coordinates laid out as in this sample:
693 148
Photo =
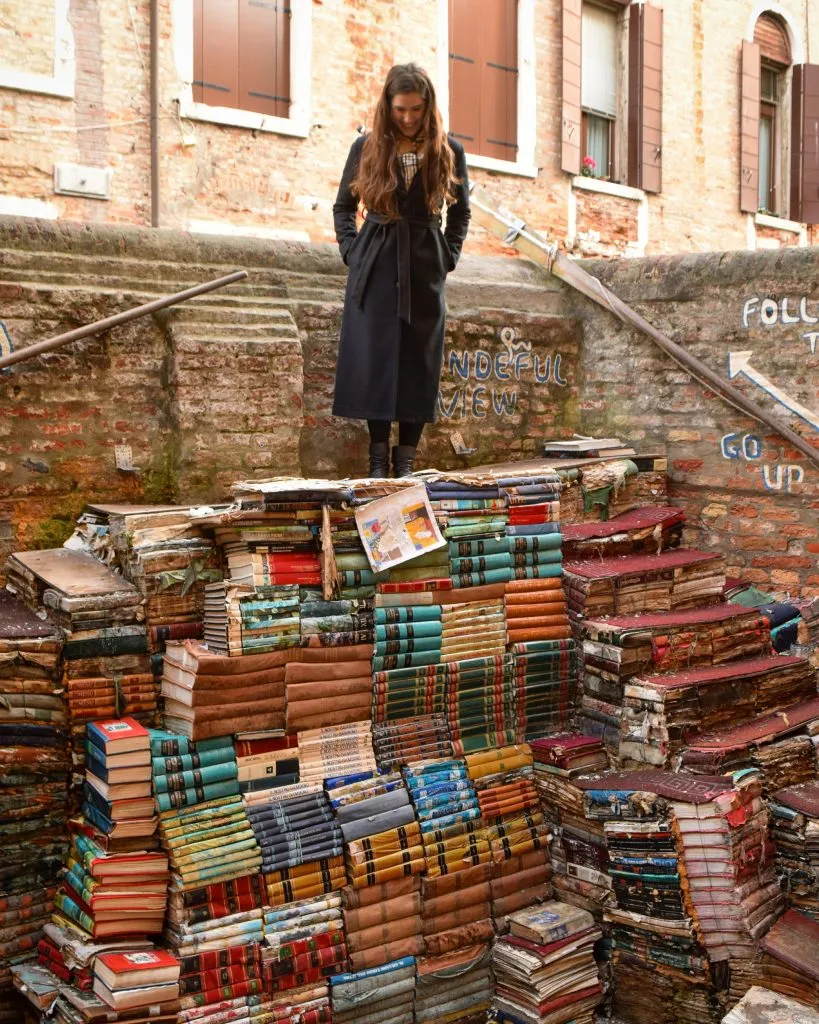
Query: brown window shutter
749 128
499 79
465 73
264 49
216 61
645 97
805 144
571 120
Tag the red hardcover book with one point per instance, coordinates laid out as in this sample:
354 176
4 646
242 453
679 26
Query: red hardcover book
210 911
55 967
249 748
309 961
118 735
223 892
415 586
222 977
215 995
213 960
291 981
133 970
324 940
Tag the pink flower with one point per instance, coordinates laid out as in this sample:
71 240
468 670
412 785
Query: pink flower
590 162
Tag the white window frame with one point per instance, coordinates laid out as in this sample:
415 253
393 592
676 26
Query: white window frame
61 82
301 62
525 165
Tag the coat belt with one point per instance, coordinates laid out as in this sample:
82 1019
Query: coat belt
402 224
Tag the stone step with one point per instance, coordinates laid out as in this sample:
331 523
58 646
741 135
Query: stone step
239 331
238 315
287 343
158 271
135 285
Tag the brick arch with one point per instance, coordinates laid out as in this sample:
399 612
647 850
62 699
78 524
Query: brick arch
795 34
773 39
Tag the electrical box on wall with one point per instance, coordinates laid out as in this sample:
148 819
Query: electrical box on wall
76 180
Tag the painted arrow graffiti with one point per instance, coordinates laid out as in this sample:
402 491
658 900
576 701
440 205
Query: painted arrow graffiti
740 362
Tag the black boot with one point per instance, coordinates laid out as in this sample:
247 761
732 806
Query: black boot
403 457
379 460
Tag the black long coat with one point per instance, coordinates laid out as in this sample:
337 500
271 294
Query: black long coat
392 331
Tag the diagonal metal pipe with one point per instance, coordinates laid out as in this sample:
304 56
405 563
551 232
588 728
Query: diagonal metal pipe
119 318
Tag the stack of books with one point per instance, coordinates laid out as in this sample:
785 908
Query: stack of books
646 529
251 620
670 581
117 793
545 968
214 976
406 741
194 773
266 762
304 945
328 686
661 713
795 832
209 842
587 448
145 977
455 987
383 993
334 623
106 665
786 960
112 894
335 751
209 695
446 806
779 746
35 767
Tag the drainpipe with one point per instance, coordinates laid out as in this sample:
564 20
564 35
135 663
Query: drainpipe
154 114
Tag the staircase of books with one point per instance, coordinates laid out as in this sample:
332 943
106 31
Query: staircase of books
489 745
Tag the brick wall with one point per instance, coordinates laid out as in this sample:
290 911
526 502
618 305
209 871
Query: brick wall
245 180
240 384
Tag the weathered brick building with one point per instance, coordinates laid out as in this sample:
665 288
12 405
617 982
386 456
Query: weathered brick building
688 119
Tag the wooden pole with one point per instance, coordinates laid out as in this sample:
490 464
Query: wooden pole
119 318
513 231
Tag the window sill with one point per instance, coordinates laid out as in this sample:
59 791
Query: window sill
767 220
44 85
298 125
608 188
489 163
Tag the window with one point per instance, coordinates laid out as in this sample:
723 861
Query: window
764 130
245 62
241 55
598 89
608 131
768 139
37 53
483 76
487 86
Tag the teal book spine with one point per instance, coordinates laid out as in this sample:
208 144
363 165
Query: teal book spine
196 777
196 795
187 762
408 630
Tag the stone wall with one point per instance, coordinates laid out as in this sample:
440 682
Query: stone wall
239 384
223 178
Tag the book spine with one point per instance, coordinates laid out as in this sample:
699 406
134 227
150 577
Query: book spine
64 903
196 778
217 959
195 795
189 762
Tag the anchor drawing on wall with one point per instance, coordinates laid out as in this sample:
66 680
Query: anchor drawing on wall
740 362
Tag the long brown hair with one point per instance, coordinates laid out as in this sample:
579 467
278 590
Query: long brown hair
376 182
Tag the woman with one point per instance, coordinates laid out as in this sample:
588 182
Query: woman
392 333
